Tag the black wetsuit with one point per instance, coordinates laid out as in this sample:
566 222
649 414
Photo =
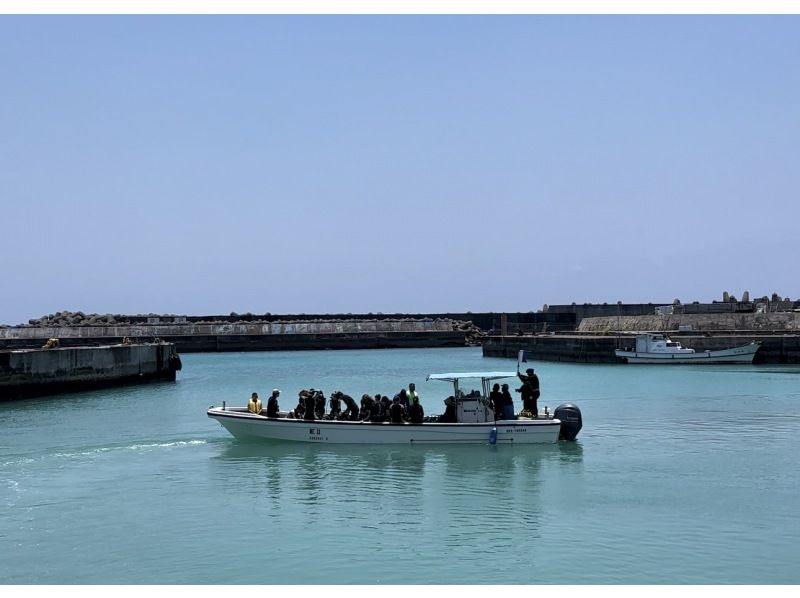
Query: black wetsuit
396 412
351 413
449 415
508 401
496 397
402 397
376 413
366 409
416 413
385 405
272 407
319 405
336 407
530 393
310 405
300 410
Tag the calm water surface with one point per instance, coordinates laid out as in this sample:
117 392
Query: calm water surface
683 474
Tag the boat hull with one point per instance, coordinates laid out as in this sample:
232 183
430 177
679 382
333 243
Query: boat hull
245 425
743 354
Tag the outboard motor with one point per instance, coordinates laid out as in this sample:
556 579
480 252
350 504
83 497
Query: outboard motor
571 422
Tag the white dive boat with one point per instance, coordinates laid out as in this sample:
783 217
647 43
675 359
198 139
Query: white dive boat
657 348
475 423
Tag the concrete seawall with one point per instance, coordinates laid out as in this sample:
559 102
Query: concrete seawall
274 336
741 323
775 348
39 372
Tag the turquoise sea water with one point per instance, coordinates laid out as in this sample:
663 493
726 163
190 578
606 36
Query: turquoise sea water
684 474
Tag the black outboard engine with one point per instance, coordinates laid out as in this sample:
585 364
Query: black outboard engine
571 422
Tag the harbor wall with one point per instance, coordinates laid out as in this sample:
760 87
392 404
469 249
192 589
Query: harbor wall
39 372
787 321
597 348
261 336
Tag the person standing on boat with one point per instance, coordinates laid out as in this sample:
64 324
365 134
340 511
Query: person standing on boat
415 412
530 392
412 392
351 413
254 404
272 403
497 400
508 403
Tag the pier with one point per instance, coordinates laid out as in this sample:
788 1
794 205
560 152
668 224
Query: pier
39 372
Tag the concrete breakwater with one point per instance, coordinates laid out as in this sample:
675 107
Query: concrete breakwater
786 321
38 372
257 336
588 348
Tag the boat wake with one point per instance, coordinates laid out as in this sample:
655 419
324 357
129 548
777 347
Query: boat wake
89 452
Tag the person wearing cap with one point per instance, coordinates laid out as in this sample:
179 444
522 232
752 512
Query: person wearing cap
272 403
254 404
530 392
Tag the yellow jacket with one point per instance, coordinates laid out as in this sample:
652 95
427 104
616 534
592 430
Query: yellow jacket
254 406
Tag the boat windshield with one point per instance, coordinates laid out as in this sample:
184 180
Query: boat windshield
485 377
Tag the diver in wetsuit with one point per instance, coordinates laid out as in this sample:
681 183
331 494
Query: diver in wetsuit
530 392
396 411
508 404
272 403
415 412
403 397
366 407
386 403
449 415
351 413
336 405
300 408
377 415
311 403
496 398
319 404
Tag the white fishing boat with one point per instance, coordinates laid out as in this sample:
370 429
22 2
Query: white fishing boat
474 423
658 348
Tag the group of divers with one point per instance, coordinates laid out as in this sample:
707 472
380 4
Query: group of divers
403 408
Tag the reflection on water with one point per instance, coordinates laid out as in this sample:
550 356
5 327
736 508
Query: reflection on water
409 500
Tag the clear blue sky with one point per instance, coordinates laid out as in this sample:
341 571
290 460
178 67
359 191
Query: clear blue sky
203 165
